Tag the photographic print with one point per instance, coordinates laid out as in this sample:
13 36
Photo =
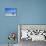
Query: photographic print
10 11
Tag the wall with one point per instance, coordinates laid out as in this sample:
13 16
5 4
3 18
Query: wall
7 24
28 12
